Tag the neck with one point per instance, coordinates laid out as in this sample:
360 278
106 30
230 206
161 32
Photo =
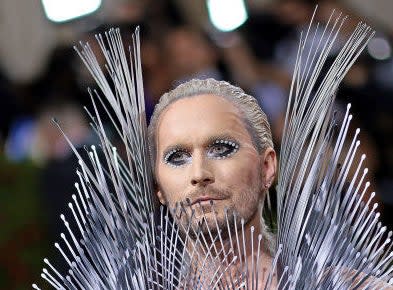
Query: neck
243 252
248 236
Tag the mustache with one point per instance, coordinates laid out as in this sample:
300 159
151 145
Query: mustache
211 192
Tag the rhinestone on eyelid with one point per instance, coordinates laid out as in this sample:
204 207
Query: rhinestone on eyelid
231 143
168 155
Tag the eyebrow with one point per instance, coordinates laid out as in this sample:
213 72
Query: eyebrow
210 140
214 138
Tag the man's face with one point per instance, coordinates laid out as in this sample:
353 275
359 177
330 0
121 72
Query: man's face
205 153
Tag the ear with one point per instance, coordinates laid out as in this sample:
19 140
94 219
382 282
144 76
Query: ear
269 166
161 197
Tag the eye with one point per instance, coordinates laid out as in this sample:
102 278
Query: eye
177 157
222 148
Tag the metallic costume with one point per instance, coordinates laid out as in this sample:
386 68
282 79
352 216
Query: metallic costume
328 237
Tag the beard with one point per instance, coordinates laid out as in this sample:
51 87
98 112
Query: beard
218 219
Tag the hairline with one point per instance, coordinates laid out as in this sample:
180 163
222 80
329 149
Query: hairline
233 94
247 124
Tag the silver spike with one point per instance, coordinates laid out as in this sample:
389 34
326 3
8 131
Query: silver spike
328 237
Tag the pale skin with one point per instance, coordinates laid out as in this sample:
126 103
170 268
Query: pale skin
187 167
204 153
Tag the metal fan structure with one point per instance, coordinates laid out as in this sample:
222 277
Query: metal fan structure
328 236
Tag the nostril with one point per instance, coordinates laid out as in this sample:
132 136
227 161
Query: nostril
207 180
202 181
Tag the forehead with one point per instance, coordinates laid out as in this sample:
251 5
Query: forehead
199 117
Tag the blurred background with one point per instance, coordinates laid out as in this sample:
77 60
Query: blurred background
250 43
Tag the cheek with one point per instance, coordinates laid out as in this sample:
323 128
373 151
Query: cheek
241 172
170 183
246 185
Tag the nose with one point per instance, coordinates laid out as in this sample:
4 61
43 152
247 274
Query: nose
201 173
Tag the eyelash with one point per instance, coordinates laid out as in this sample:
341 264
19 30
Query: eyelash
231 147
172 153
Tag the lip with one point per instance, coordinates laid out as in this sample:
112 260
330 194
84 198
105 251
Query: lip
205 198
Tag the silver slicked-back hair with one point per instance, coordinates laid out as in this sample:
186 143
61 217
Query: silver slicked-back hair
254 118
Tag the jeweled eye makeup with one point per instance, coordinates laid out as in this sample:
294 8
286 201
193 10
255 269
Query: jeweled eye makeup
222 148
217 149
177 157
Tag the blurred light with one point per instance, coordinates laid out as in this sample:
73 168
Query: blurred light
64 10
379 48
227 15
20 139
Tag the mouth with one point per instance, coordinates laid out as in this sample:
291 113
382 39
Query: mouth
205 199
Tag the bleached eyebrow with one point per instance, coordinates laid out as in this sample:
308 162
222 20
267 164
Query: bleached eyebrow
215 138
207 142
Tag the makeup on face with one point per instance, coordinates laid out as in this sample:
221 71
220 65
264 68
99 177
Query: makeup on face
218 148
206 154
